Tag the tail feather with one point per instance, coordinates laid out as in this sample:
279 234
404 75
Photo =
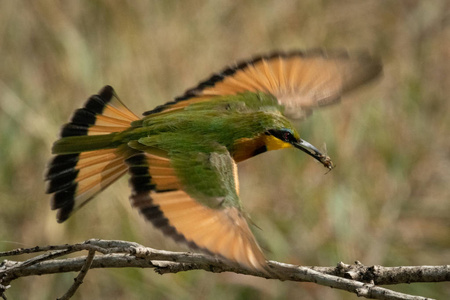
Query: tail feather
87 157
103 113
76 185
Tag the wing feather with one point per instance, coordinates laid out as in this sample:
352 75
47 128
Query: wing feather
222 230
301 81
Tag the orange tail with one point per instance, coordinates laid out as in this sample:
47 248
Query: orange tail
87 160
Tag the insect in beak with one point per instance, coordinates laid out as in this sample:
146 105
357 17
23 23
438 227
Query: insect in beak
314 152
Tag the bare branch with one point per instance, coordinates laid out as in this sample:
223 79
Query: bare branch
359 279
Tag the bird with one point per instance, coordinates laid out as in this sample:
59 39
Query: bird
182 156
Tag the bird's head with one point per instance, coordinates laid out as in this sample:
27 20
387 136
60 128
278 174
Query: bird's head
288 137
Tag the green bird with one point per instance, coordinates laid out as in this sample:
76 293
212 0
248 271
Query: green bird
182 156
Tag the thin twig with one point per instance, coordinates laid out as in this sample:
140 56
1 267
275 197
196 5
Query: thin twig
102 246
3 288
79 279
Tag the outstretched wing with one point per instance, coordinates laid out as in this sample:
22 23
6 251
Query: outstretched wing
301 81
193 199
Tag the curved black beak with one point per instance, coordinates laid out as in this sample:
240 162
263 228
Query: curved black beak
314 152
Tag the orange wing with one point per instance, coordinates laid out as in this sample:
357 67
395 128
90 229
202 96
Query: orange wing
158 194
300 81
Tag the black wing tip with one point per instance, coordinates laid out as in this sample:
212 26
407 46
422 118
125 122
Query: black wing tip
62 181
61 162
60 177
64 201
367 67
60 166
63 214
140 179
155 215
374 64
106 93
84 117
71 129
63 197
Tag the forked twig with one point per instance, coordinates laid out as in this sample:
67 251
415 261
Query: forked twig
79 279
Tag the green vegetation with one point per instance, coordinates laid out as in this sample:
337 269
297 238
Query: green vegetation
386 203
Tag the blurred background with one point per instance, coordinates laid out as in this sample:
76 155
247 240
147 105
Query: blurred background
386 203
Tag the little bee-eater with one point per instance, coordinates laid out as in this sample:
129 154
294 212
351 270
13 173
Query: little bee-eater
182 156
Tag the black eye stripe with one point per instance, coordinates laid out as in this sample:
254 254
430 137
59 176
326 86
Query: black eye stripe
282 134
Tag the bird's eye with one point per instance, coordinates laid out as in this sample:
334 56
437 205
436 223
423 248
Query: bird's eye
284 135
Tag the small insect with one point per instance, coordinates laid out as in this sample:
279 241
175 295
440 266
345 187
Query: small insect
327 163
326 160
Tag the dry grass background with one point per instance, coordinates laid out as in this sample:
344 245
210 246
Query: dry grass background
386 203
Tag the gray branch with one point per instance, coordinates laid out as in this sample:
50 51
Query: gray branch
357 278
79 280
